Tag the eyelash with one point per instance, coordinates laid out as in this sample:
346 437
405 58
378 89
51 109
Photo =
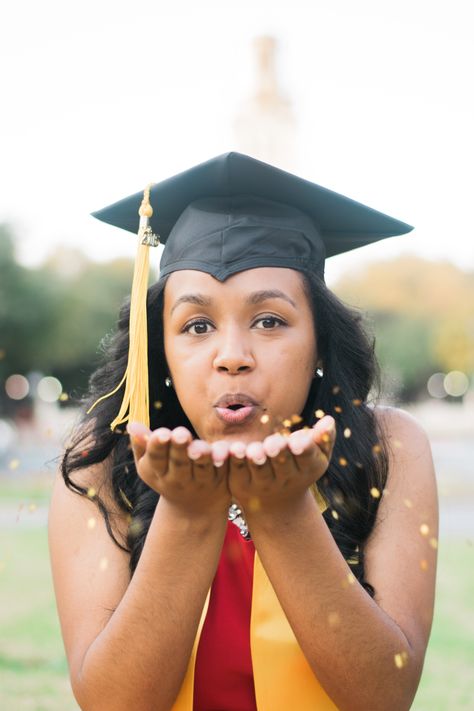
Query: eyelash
201 320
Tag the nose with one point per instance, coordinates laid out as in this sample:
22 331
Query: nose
234 354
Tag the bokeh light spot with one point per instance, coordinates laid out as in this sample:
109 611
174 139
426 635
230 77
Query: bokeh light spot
17 386
49 389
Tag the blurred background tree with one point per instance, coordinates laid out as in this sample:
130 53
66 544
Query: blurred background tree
53 318
423 318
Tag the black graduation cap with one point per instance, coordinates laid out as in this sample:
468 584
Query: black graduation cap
231 213
234 212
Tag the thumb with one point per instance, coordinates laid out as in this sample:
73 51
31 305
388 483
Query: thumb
139 435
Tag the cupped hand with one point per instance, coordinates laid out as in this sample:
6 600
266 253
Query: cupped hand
191 474
273 475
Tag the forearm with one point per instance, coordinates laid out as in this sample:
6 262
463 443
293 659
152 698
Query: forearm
348 640
140 658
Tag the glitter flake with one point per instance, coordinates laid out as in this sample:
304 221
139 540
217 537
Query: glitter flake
401 660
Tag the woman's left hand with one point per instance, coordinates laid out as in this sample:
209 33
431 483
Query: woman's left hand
274 475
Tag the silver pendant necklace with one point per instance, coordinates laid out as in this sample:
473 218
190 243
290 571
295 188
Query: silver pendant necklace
235 515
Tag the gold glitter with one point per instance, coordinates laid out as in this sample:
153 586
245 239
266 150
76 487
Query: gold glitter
264 419
91 492
157 404
375 492
135 527
424 529
32 507
325 437
397 443
401 660
357 402
336 389
424 564
347 432
349 579
408 503
337 408
103 564
335 514
343 461
376 449
124 497
433 543
2 353
91 522
334 619
319 414
14 464
287 423
254 504
63 397
295 419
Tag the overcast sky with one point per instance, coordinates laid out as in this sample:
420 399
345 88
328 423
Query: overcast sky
100 98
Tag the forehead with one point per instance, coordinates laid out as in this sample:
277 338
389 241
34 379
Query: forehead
183 281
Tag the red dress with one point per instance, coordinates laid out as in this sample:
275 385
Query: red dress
223 678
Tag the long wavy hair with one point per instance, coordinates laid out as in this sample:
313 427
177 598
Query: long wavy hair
355 479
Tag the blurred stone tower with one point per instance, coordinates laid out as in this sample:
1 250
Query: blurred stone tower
265 126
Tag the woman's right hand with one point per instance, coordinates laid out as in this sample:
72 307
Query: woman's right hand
190 474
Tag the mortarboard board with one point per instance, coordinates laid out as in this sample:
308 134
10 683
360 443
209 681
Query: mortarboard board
228 214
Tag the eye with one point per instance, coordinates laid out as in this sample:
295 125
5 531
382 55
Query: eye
271 319
198 323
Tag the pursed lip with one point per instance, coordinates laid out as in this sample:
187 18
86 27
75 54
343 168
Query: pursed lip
247 410
229 399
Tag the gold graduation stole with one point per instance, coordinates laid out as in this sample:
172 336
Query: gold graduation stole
283 678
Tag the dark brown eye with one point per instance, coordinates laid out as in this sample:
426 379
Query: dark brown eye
200 325
270 320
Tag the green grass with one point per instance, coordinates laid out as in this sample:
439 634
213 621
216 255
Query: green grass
33 669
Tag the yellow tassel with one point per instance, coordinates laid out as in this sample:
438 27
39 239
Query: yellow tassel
135 405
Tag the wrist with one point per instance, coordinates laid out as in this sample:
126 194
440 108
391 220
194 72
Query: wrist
284 514
196 521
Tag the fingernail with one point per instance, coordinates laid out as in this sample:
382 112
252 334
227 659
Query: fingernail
218 462
259 460
194 455
133 428
238 451
273 450
180 437
164 436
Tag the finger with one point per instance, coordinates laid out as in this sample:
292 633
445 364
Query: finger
139 435
158 450
282 461
258 462
307 455
199 452
238 464
220 458
179 462
324 434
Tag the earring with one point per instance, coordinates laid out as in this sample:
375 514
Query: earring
168 382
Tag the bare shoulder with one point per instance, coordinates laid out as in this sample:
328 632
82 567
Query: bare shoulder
401 552
90 571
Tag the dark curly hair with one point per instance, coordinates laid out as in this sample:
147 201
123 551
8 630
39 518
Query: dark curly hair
357 474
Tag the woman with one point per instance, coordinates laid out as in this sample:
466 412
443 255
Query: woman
257 411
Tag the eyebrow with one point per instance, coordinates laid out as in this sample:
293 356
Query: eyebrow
256 297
